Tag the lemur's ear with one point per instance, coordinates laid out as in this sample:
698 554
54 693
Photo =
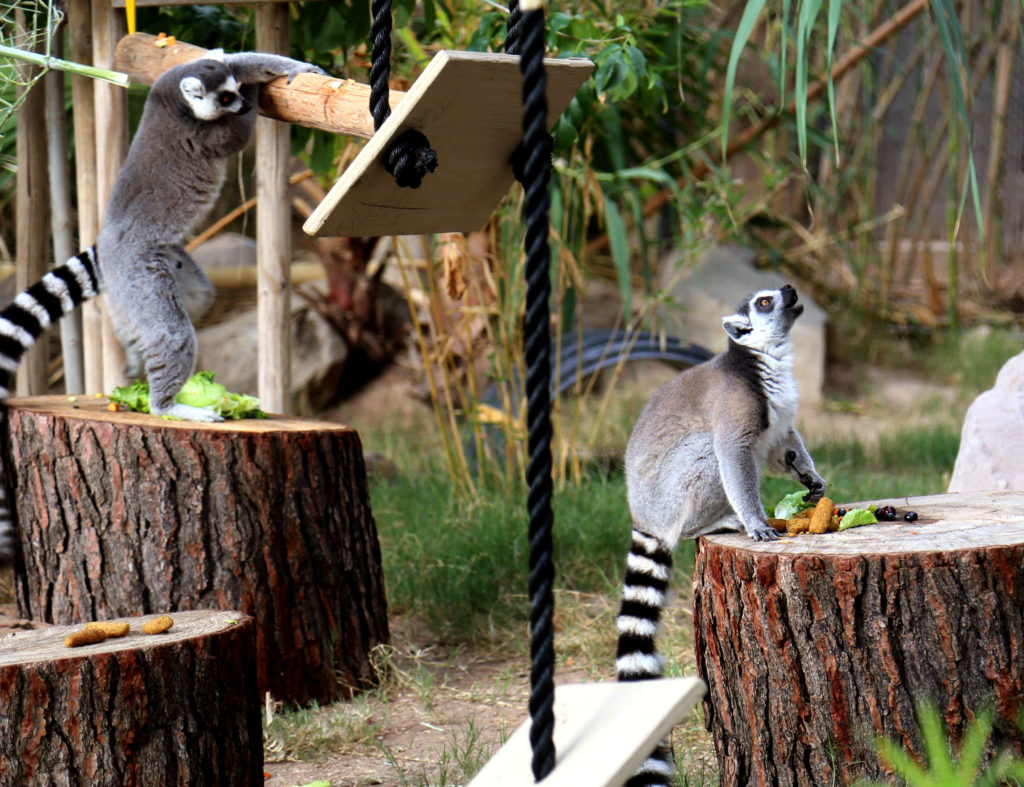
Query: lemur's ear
215 54
736 325
192 88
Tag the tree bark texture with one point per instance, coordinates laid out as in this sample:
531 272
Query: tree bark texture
125 514
814 646
178 708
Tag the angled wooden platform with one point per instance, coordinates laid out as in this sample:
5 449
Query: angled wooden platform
603 731
468 104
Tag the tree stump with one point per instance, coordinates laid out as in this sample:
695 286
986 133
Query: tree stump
178 708
123 514
815 645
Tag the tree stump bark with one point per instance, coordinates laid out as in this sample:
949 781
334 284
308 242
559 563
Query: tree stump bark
815 645
123 514
178 708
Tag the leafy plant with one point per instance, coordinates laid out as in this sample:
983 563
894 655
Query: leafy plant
944 767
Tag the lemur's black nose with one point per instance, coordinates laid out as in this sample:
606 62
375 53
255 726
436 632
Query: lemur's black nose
789 297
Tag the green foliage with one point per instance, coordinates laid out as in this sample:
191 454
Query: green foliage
944 767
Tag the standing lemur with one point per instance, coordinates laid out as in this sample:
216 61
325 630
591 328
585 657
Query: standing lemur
196 116
693 465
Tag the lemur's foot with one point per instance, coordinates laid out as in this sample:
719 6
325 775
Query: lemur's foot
188 413
762 531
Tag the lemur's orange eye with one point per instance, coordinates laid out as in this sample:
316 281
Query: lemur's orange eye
764 303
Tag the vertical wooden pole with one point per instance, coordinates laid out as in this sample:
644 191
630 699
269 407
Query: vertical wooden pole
32 224
84 108
62 216
108 27
273 231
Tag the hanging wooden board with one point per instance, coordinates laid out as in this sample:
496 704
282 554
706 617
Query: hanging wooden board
603 731
469 105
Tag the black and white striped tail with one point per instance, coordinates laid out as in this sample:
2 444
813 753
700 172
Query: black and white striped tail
59 292
648 571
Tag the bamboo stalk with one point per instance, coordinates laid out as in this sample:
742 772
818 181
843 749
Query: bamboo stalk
55 63
992 212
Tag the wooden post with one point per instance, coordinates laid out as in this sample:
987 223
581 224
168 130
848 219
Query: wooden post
84 109
111 151
814 646
273 232
271 517
175 708
62 217
33 248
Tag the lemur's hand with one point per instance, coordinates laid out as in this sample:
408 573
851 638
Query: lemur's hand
304 68
808 477
762 531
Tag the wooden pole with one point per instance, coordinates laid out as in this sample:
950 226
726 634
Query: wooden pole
111 151
273 232
340 106
62 217
83 102
33 249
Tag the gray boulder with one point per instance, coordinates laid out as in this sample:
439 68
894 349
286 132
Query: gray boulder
715 285
990 442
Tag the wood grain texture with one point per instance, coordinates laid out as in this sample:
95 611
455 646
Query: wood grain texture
813 646
179 708
123 514
341 106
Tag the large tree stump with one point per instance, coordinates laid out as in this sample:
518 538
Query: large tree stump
178 708
123 514
813 646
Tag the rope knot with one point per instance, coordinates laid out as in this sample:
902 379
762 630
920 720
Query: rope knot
411 158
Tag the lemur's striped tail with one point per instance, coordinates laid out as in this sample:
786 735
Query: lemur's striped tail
648 571
58 293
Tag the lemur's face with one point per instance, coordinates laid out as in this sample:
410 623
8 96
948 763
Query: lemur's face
211 92
763 321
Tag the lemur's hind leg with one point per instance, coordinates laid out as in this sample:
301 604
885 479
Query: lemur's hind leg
154 326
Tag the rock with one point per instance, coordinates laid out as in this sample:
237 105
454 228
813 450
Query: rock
989 457
226 250
711 289
318 356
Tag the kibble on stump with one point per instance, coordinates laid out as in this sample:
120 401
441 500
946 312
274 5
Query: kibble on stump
123 514
177 708
815 646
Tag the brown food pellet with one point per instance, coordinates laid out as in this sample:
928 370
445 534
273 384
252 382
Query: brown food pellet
86 636
797 525
158 625
822 516
110 628
778 524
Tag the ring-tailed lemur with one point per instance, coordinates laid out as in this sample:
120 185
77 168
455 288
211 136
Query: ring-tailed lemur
693 466
196 116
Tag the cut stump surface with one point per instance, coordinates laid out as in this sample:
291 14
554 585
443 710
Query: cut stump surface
124 514
815 645
178 708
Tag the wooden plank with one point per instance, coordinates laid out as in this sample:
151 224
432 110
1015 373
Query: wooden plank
468 105
341 106
273 233
603 731
32 209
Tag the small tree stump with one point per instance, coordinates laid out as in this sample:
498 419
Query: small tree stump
815 645
179 708
123 514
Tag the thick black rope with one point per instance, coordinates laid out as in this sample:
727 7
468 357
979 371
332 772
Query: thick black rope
536 174
410 157
513 28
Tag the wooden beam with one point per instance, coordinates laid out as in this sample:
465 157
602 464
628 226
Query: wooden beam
341 106
273 233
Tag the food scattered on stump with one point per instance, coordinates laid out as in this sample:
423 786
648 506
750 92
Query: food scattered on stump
97 632
110 628
793 515
158 625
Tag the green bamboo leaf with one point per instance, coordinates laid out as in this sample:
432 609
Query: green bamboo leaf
808 14
746 27
835 7
619 243
782 51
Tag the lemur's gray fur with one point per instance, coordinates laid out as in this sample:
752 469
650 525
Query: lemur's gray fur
693 465
197 115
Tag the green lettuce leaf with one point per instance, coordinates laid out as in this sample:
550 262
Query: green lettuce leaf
856 517
791 505
199 390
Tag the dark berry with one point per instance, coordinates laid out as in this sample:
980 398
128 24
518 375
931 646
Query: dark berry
840 512
910 516
886 514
